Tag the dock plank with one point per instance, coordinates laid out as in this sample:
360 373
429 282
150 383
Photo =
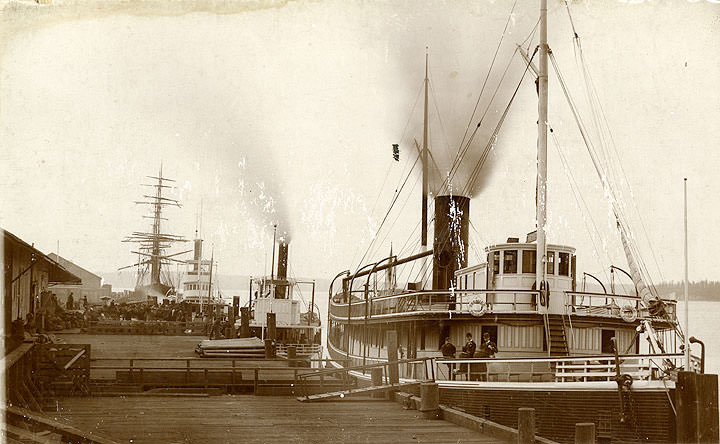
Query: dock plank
250 419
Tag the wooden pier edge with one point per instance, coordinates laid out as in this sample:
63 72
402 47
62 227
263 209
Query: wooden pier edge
466 420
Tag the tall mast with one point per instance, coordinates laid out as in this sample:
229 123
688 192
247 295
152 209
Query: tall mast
212 256
423 235
272 263
155 258
688 367
542 148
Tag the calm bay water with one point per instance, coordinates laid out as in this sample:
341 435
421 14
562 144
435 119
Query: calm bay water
704 317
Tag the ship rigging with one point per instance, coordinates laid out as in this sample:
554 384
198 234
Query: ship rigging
153 245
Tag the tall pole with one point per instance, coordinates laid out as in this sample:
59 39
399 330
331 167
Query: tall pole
687 304
423 234
212 255
542 147
272 263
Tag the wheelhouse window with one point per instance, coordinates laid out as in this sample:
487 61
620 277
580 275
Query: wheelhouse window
550 262
510 261
495 256
528 261
564 264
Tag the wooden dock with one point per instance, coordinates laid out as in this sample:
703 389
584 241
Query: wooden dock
251 419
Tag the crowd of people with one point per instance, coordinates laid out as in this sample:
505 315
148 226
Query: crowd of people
143 311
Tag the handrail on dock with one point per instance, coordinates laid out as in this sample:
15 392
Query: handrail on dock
385 376
21 381
198 372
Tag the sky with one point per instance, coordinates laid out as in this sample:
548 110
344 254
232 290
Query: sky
285 113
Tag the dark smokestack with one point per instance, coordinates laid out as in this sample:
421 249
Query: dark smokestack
452 221
197 254
281 290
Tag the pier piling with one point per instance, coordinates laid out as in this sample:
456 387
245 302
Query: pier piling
271 330
585 433
526 425
430 400
291 355
392 345
377 380
244 322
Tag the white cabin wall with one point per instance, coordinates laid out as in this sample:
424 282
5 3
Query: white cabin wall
518 338
584 340
589 340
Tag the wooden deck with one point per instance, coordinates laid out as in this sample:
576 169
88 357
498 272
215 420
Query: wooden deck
251 419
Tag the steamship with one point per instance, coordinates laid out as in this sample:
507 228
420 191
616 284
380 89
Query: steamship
578 355
198 287
281 296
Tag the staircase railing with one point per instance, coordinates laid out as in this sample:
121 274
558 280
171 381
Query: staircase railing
546 323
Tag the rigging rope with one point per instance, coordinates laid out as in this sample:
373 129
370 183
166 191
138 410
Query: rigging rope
584 208
493 138
634 258
497 49
395 197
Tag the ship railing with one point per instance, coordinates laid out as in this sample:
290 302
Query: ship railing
457 301
300 349
386 373
563 369
611 305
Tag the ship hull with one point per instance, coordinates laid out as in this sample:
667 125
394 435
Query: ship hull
559 406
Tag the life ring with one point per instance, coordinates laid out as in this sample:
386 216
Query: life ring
628 313
478 307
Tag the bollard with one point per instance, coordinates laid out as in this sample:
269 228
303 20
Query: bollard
585 433
376 375
291 355
430 400
269 349
526 426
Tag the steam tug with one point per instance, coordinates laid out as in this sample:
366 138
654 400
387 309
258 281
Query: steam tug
281 296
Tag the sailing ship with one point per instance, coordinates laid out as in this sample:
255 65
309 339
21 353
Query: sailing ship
154 281
575 352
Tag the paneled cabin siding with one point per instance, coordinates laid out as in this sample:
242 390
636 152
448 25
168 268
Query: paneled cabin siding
520 338
584 340
589 340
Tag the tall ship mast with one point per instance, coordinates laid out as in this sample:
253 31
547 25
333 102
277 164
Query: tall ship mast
154 279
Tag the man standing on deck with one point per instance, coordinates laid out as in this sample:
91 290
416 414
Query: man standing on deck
487 350
448 351
468 350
